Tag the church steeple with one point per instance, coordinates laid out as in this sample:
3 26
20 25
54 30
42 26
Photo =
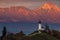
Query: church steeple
39 22
39 26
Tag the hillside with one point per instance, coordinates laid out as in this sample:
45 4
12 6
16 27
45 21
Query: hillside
37 36
43 36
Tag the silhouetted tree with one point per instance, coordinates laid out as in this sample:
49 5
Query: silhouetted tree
47 29
4 31
56 33
20 35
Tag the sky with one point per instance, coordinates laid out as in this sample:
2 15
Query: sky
32 4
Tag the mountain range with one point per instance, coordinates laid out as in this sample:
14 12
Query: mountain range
48 12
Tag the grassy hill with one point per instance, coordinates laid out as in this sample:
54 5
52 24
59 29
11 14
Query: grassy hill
40 36
33 36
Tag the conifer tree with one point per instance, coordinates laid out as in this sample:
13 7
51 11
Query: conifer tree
47 29
4 31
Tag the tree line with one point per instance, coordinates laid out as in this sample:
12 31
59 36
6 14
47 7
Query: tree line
22 36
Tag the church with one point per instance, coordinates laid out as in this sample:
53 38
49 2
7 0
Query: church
40 28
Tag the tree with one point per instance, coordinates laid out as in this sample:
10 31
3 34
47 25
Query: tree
4 31
56 33
47 29
20 35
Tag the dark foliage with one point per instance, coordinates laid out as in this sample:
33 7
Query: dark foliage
46 34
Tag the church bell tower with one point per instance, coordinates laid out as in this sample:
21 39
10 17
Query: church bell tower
39 26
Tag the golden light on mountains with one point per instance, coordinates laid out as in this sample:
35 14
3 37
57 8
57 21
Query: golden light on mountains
50 6
48 12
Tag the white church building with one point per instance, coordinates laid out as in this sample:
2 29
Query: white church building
40 28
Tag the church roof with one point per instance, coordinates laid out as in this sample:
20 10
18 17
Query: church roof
39 22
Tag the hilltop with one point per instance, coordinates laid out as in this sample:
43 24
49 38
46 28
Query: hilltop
36 36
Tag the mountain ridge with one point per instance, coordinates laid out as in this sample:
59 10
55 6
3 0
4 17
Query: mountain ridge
49 6
19 13
49 12
46 13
